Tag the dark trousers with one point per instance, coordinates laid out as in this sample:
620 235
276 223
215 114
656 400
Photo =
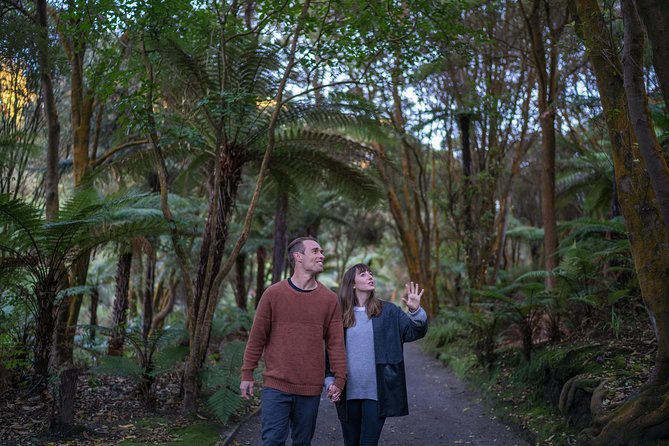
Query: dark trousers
280 410
364 425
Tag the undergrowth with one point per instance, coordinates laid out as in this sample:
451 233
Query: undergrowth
526 393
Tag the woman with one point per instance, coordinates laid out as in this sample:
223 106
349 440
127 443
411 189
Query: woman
375 331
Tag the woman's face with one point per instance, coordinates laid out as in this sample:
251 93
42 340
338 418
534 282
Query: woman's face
364 281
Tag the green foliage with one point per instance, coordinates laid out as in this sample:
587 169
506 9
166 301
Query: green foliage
15 322
526 233
558 363
596 270
449 328
223 378
231 321
589 177
119 366
152 356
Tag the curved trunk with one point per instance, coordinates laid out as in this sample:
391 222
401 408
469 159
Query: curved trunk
646 415
637 100
655 17
226 184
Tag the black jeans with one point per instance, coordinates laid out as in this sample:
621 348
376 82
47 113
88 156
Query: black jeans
364 425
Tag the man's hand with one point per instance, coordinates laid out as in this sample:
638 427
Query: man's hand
334 393
247 389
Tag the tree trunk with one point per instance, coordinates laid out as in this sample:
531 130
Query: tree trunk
120 312
166 307
655 17
261 257
93 310
149 286
474 265
44 325
52 121
409 205
280 236
546 65
63 419
226 184
635 89
81 108
644 416
240 281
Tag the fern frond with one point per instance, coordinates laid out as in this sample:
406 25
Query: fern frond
118 366
226 400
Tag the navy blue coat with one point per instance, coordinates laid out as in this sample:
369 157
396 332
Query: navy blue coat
392 328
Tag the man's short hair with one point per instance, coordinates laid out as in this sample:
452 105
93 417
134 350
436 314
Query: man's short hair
297 245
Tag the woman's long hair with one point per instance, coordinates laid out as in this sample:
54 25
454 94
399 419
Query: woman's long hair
348 301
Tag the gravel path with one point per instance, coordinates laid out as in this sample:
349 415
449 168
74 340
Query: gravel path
441 412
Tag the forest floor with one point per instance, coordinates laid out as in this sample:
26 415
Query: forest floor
108 411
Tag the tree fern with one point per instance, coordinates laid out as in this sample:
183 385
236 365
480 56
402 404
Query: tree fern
224 378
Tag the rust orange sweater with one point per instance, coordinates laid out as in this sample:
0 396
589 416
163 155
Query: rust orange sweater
293 329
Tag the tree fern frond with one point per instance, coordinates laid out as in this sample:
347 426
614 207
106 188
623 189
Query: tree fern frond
166 359
118 366
528 233
226 400
535 275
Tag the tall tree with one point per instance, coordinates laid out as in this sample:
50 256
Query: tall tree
635 90
53 123
552 17
644 416
655 17
245 78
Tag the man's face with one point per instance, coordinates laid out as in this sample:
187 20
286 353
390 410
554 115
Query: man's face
312 259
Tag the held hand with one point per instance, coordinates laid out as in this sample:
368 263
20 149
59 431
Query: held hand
413 295
334 393
247 389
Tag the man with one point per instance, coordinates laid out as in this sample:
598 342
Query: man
296 321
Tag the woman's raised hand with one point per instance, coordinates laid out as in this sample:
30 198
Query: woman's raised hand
413 295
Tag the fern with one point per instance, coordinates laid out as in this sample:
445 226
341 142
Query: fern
224 378
119 366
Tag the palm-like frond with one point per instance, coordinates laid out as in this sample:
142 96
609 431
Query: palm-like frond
225 401
47 248
527 233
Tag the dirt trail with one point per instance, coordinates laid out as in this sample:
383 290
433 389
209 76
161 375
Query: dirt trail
441 412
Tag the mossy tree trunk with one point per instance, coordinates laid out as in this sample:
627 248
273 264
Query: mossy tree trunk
646 415
74 36
655 17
